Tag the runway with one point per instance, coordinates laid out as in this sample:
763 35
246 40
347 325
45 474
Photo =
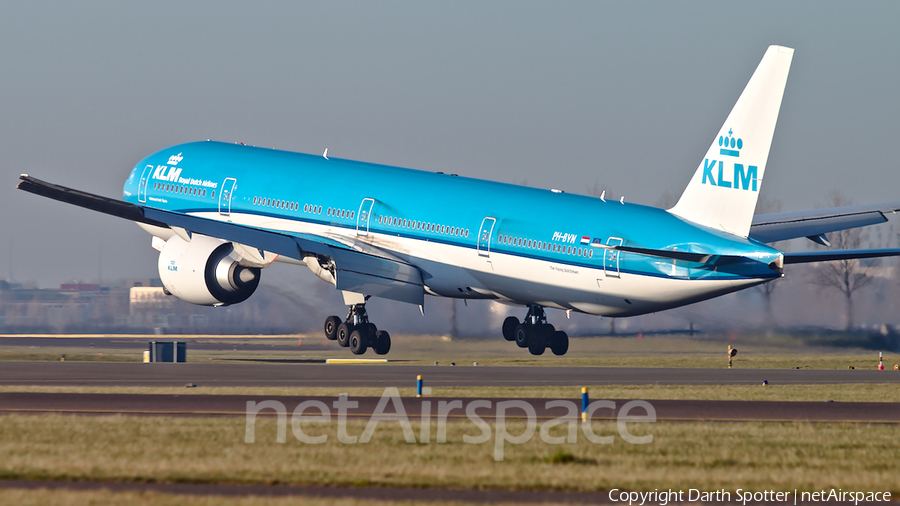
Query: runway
382 375
467 496
365 407
138 344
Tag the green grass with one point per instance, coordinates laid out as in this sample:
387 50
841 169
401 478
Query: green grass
845 392
755 456
756 352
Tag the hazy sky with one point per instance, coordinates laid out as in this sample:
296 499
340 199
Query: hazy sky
624 95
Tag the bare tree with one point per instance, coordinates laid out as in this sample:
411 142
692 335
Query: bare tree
844 276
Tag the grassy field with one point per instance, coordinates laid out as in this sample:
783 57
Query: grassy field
847 392
756 456
777 352
701 455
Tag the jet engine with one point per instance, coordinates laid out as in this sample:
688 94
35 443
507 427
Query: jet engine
205 271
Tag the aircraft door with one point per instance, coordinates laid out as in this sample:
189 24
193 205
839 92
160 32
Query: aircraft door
142 186
484 236
226 195
611 257
362 218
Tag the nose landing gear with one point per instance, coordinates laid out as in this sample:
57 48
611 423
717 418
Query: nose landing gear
357 333
535 333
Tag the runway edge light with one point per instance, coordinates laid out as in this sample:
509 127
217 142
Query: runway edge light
585 402
419 386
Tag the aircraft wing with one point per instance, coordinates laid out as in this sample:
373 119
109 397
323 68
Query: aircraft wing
359 267
768 228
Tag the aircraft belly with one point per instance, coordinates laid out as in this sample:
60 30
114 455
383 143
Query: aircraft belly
460 272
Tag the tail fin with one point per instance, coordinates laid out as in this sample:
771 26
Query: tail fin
723 192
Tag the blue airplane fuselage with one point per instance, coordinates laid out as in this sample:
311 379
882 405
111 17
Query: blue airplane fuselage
471 238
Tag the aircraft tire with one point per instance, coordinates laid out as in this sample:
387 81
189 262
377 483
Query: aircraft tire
523 335
343 335
559 343
358 342
382 343
331 325
509 328
538 343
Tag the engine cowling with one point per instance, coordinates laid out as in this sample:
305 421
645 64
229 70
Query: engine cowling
205 271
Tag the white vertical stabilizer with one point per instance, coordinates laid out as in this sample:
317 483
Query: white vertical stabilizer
723 192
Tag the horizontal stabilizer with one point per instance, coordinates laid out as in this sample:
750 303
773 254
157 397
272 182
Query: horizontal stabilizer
769 228
831 255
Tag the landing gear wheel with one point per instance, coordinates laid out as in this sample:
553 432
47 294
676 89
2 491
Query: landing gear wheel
559 342
509 328
358 342
523 335
331 325
343 335
538 342
382 343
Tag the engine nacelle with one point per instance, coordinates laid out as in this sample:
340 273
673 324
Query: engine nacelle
205 271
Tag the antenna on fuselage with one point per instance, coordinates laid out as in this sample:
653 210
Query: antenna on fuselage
325 154
622 200
603 195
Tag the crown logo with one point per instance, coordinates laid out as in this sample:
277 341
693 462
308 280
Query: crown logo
729 143
174 159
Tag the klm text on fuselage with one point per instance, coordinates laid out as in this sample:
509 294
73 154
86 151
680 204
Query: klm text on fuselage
742 180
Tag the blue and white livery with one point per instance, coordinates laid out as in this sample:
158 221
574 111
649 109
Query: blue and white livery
221 213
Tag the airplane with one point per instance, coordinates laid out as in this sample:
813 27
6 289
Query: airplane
219 213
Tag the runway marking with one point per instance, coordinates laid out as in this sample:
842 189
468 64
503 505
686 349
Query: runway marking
455 416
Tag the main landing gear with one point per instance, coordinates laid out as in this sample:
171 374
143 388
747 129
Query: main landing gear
357 333
535 333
